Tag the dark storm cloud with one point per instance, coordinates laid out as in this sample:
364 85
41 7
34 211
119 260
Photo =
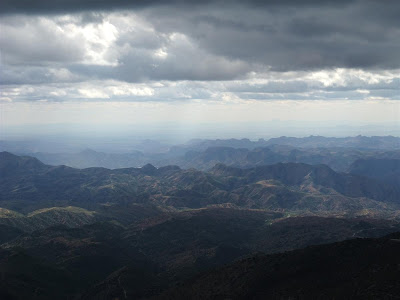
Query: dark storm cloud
295 37
281 35
67 6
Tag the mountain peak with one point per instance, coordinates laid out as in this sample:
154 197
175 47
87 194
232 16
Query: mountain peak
88 151
10 163
149 169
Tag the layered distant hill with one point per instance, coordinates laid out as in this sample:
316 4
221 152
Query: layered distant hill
338 153
385 170
360 142
339 159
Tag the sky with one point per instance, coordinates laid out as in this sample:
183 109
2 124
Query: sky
104 63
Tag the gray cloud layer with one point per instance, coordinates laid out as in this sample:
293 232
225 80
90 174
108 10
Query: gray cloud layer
365 34
67 6
43 44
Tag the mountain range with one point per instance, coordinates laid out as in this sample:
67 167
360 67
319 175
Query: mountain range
27 184
280 230
338 153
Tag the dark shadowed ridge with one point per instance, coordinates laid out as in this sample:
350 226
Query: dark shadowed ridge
357 269
385 170
10 163
298 173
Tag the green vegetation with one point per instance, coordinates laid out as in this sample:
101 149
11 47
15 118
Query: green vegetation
46 217
6 213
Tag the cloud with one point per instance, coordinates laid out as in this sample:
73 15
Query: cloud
33 41
292 37
119 46
70 6
258 50
337 84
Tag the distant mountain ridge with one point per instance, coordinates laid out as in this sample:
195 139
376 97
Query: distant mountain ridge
31 185
373 142
301 174
339 159
385 170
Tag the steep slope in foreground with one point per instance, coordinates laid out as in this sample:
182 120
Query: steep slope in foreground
188 243
155 254
354 269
